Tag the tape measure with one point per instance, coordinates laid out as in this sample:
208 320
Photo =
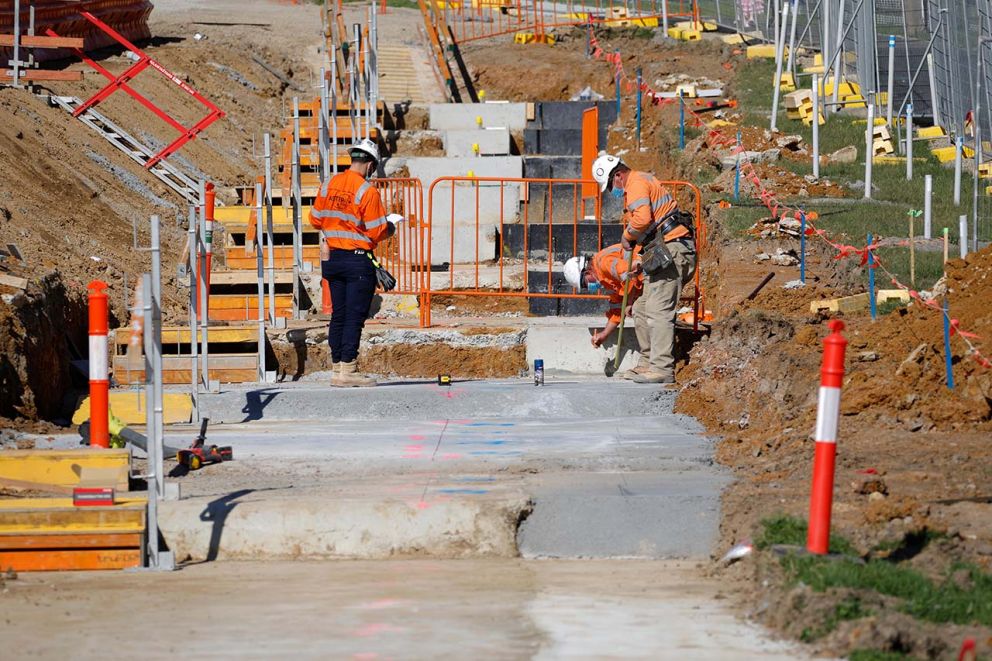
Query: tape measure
444 379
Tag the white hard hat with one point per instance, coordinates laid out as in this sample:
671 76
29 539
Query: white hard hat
368 147
573 271
602 169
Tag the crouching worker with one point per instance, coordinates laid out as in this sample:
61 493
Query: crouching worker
352 220
606 271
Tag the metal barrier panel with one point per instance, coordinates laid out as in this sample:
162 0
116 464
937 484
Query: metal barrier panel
404 253
480 19
508 237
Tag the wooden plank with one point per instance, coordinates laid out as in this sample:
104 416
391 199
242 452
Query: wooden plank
13 281
112 519
177 377
44 74
77 541
245 278
241 301
73 560
27 41
181 335
68 468
248 314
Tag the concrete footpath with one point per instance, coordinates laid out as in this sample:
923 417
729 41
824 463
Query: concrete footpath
413 609
592 468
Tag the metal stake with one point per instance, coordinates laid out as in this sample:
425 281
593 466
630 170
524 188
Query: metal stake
204 309
816 126
928 206
958 149
194 369
779 56
270 231
892 78
869 148
909 142
297 212
259 240
155 405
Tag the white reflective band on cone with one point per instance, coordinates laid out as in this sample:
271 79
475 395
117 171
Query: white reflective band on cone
827 412
99 367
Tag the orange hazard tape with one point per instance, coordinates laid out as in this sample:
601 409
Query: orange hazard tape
777 208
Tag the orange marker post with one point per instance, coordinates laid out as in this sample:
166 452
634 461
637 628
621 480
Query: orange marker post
210 197
99 366
827 415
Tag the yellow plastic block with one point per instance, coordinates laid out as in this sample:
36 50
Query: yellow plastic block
930 132
66 468
761 50
674 33
988 190
644 22
787 82
129 407
732 39
808 121
687 90
691 35
719 123
889 160
985 170
944 154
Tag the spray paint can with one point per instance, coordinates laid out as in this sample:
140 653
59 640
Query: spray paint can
538 372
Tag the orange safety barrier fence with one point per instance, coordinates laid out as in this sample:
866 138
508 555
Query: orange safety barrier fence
469 219
404 254
480 19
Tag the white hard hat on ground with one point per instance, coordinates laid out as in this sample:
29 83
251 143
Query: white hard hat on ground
573 271
366 146
602 170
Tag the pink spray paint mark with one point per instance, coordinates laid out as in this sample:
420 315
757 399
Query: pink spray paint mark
365 656
451 455
380 604
374 628
417 437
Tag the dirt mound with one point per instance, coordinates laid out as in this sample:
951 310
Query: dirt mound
783 183
909 373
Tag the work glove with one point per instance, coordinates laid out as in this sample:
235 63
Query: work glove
395 218
382 276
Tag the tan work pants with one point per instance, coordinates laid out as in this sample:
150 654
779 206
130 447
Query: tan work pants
654 311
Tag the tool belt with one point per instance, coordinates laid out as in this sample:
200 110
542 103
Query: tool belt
655 255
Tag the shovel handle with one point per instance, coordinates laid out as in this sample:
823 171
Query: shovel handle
623 311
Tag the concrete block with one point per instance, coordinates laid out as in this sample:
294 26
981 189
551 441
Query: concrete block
553 167
359 528
490 142
566 142
566 349
455 116
563 240
483 203
568 114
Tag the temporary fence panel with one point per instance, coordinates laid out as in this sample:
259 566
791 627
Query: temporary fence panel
508 237
404 254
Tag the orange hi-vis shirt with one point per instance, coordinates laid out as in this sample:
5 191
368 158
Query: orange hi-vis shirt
608 266
646 202
349 213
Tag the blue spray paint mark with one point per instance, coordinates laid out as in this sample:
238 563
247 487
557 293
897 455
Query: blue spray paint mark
480 442
499 452
474 479
490 424
472 492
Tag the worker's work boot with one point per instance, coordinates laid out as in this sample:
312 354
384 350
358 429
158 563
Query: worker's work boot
653 377
335 371
349 377
634 371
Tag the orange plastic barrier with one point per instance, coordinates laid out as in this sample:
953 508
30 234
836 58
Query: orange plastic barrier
404 255
464 210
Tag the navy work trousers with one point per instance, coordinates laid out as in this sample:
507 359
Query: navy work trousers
351 277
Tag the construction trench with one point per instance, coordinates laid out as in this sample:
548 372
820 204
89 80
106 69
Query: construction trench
483 514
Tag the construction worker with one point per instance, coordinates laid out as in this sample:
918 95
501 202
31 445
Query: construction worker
607 270
668 258
352 220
